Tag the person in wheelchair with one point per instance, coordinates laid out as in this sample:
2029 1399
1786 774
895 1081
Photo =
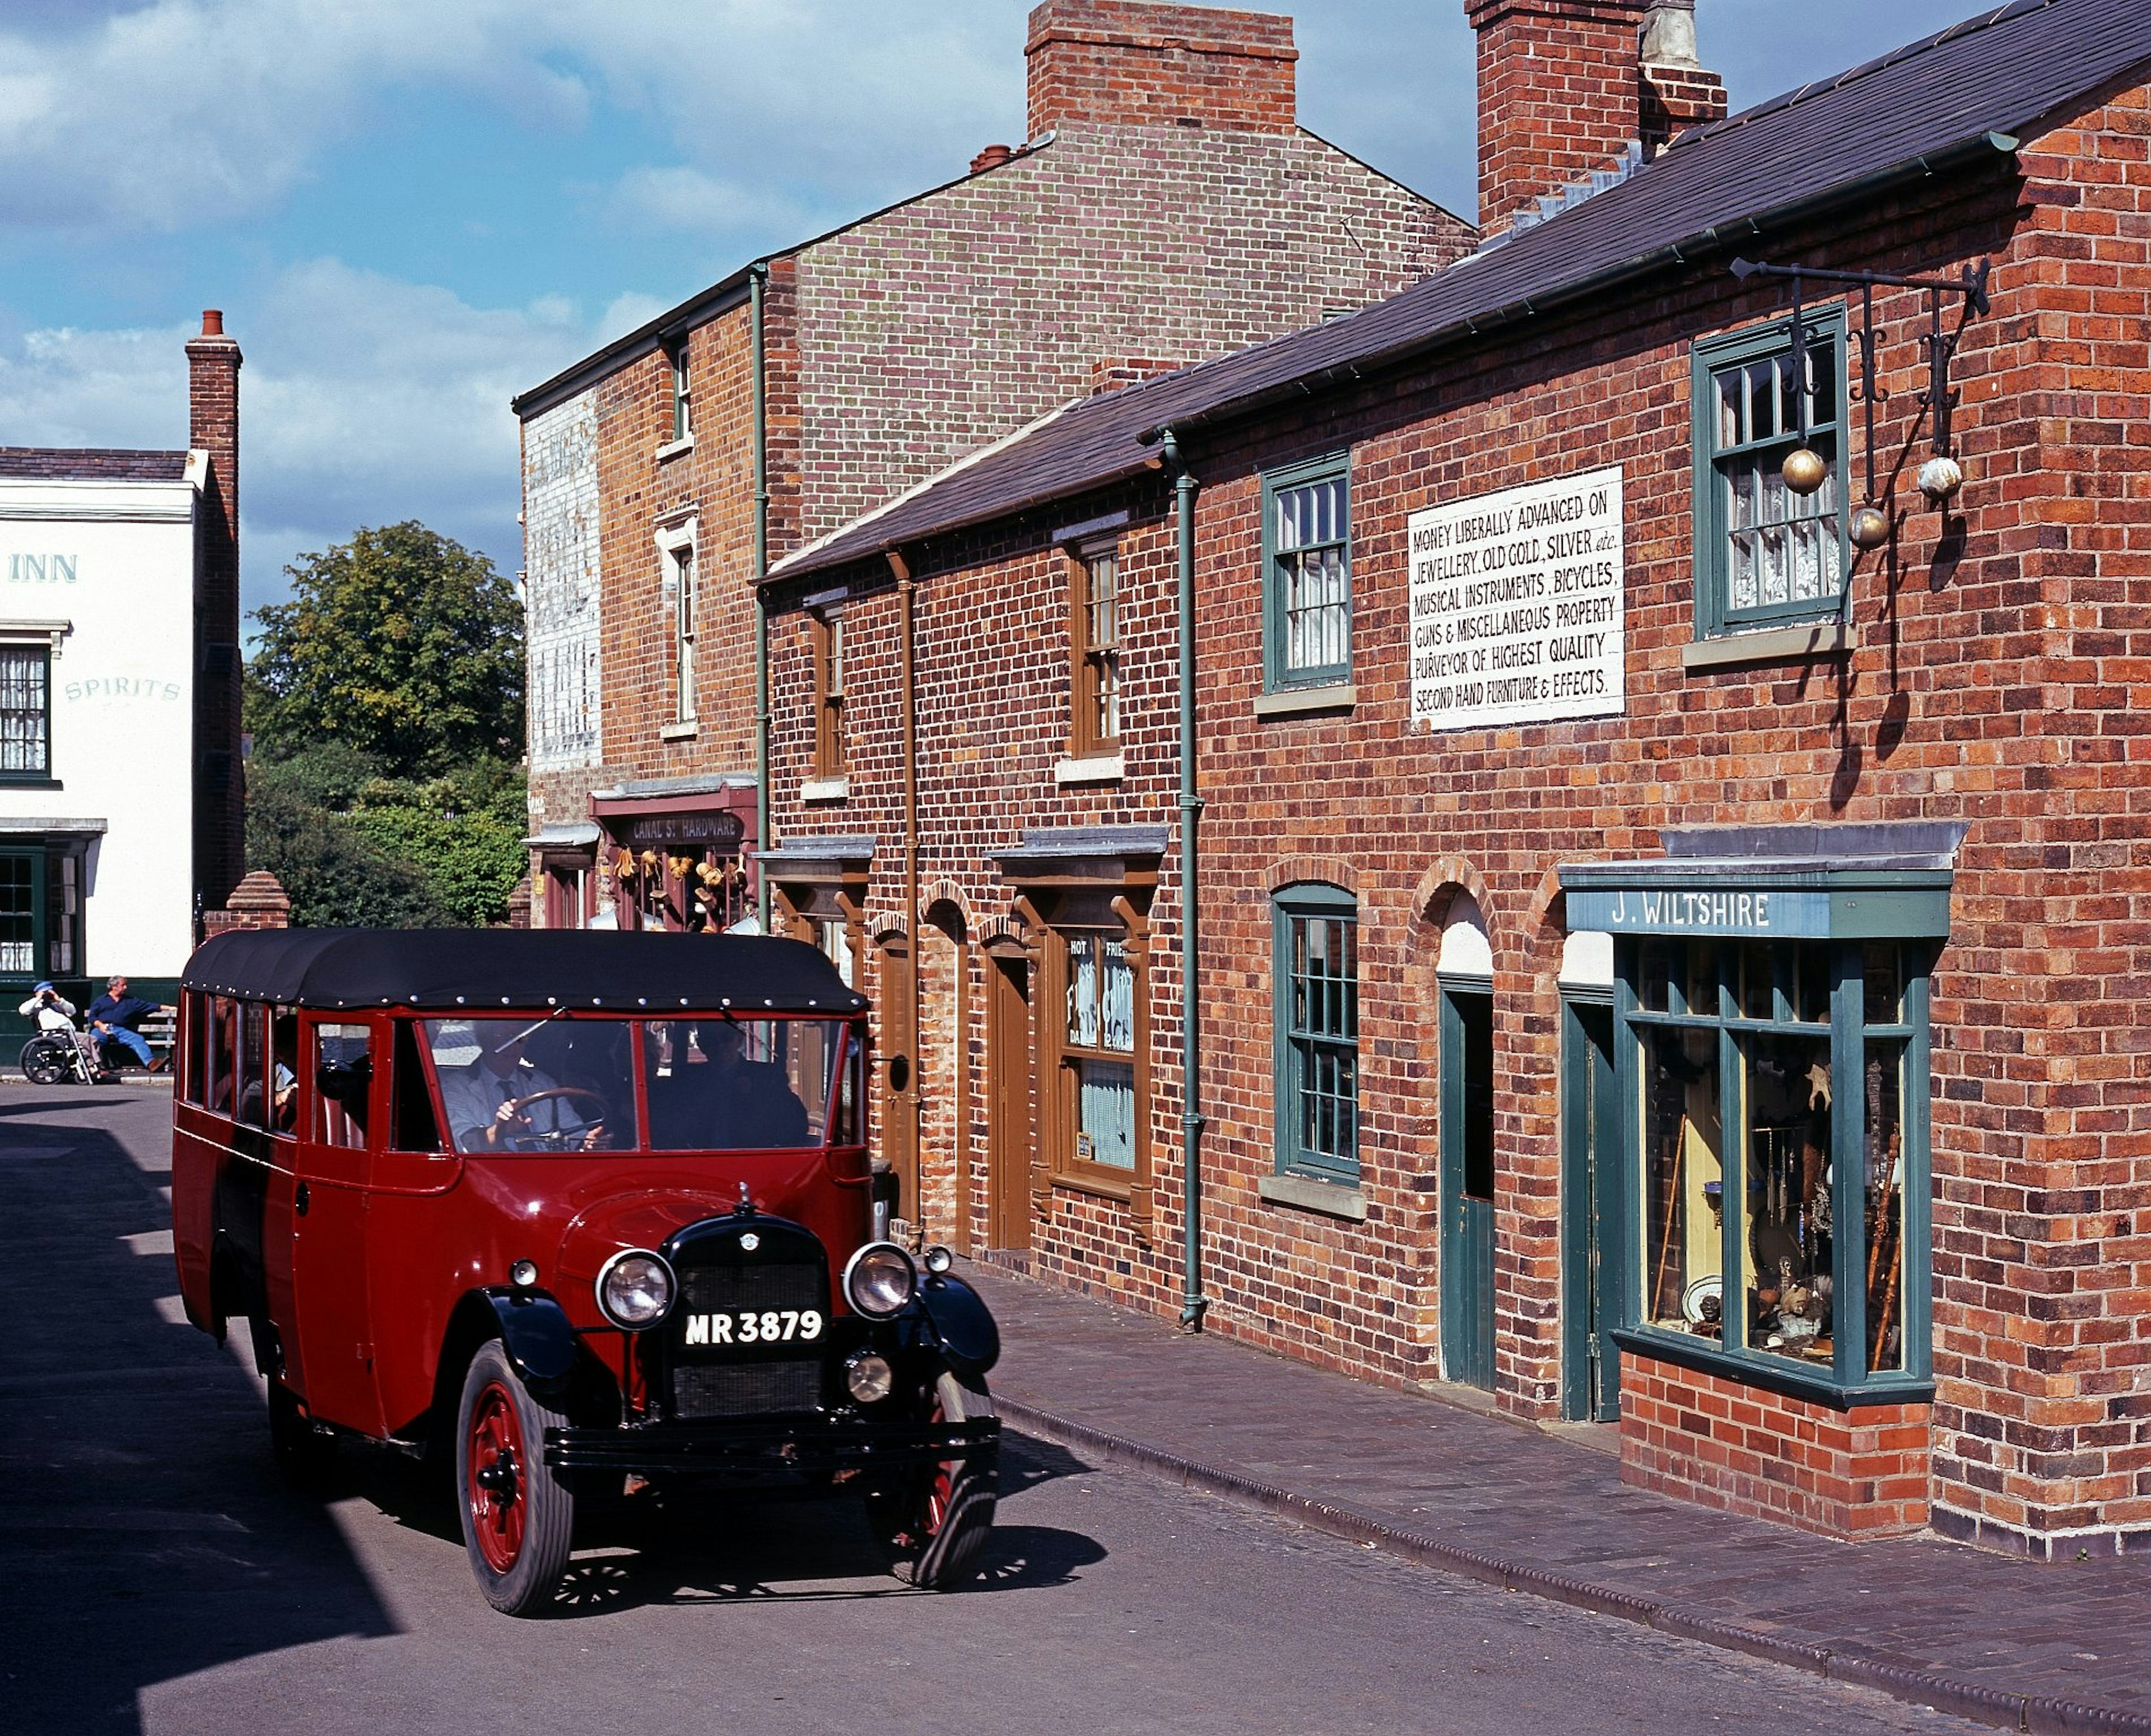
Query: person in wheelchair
52 1009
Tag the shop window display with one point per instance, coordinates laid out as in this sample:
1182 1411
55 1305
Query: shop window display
1762 1069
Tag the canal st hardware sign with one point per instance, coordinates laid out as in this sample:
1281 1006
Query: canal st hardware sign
1517 605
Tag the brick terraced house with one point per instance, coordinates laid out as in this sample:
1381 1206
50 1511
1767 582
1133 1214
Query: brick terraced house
1165 206
1669 822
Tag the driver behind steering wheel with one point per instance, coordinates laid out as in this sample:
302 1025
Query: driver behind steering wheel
488 1103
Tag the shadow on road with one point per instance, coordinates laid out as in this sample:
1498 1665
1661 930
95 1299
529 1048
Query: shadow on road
143 1533
643 1551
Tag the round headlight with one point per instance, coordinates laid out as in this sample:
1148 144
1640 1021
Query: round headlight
634 1290
869 1377
880 1279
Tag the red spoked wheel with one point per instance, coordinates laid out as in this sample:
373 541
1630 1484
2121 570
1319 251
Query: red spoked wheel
935 1523
519 1519
492 1484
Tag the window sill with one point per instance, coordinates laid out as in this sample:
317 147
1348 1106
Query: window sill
824 789
1091 768
1303 702
1771 1373
1332 1199
1100 1185
686 731
673 448
1771 645
31 783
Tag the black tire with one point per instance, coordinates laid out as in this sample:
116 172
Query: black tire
519 1519
47 1059
935 1524
305 1455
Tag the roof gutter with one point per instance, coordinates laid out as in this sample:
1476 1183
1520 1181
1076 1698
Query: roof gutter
1672 253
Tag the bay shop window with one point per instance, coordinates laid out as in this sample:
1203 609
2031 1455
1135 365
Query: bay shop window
1772 1069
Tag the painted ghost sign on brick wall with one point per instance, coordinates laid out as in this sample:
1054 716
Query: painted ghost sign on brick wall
1517 605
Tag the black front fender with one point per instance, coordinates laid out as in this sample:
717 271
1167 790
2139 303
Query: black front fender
961 1320
539 1338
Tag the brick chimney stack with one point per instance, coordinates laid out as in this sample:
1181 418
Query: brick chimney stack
219 842
1557 95
1123 63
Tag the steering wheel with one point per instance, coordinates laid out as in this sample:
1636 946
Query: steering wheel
556 1138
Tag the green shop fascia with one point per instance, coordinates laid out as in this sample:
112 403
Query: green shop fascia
1772 1067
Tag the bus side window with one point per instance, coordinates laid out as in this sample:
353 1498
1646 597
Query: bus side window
254 1101
343 1075
194 1039
415 1127
220 1091
283 1092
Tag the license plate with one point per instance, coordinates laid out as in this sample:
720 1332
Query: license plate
753 1326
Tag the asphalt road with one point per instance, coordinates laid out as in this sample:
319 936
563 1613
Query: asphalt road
157 1577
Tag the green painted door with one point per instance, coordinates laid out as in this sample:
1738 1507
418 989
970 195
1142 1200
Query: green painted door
1590 1174
1467 1184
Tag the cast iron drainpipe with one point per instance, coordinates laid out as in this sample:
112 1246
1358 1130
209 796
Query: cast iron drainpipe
757 277
1194 1304
907 592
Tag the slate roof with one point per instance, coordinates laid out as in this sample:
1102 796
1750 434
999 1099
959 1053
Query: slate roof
1961 92
55 463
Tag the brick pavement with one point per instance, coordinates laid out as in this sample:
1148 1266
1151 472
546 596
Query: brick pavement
2010 1642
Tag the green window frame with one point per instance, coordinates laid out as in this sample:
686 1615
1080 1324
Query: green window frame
1306 566
1719 1020
1764 556
1315 973
26 713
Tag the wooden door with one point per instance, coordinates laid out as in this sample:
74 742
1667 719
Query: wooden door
1467 1185
899 1073
1591 1247
1008 1103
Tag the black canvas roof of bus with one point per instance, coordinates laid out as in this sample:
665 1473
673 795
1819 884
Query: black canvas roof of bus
443 970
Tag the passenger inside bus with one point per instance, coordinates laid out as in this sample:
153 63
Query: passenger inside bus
707 1095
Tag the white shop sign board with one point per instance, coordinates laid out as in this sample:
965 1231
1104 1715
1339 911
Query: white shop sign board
1517 601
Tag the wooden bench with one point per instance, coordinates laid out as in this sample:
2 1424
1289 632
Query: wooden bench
160 1030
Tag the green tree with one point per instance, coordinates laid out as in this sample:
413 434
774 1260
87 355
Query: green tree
463 834
333 873
400 645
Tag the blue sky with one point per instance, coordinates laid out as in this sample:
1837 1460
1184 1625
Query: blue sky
410 209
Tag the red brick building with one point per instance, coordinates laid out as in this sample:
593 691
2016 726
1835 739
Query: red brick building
1669 812
1165 206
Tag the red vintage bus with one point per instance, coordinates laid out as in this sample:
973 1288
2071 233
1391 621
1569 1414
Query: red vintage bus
568 1209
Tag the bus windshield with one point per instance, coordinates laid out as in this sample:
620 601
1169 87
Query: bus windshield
711 1083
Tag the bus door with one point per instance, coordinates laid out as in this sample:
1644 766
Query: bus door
328 1119
255 1194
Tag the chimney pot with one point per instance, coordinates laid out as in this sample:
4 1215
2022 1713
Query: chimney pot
212 323
992 157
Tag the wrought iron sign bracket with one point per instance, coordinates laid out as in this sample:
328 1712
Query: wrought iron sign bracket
1941 476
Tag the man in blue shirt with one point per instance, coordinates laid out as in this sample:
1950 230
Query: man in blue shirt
113 1017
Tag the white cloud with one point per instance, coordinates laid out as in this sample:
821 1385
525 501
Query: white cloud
690 201
364 400
189 112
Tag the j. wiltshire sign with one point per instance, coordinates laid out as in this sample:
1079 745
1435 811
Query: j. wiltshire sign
1516 605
